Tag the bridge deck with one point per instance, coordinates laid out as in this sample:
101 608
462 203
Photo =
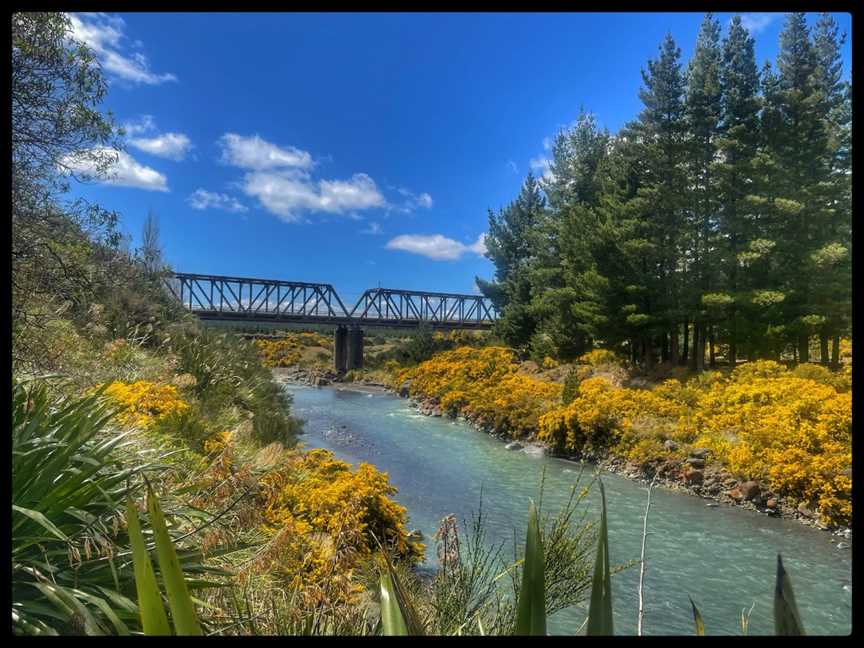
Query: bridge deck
214 297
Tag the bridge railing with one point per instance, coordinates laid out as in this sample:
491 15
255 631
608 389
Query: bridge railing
215 296
210 294
386 304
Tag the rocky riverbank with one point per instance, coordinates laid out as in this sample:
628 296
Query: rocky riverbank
696 475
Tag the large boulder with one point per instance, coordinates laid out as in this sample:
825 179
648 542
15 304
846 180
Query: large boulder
670 445
693 476
513 445
696 462
403 388
750 490
700 453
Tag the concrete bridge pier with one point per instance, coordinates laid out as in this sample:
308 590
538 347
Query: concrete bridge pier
340 348
355 348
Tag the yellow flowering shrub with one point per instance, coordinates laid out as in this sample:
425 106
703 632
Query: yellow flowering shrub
285 351
278 353
331 511
789 429
794 433
598 357
482 383
145 402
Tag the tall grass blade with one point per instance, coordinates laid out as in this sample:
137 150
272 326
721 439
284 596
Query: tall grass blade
531 606
182 608
600 609
697 619
153 617
787 621
398 614
392 621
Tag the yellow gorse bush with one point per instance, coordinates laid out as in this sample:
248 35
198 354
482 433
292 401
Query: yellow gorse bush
789 429
144 402
318 510
484 384
285 352
278 353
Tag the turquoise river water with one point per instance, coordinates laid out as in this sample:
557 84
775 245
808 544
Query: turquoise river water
725 558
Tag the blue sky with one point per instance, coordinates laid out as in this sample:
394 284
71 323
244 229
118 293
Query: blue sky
357 149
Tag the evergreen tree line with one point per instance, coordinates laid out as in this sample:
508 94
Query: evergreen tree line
719 219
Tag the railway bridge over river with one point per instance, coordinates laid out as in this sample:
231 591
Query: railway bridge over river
243 299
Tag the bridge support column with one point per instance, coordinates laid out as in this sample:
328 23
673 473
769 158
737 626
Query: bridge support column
355 348
340 349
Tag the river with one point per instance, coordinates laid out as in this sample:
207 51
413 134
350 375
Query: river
725 558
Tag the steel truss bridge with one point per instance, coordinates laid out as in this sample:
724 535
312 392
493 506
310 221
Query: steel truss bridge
214 297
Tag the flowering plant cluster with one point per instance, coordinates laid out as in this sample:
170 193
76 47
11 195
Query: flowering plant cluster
483 384
145 402
790 429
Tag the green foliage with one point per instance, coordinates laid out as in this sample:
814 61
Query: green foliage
531 605
600 611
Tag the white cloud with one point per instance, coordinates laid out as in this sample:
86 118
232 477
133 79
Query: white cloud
542 165
286 193
105 35
124 171
203 199
258 154
143 124
757 22
173 146
412 201
436 246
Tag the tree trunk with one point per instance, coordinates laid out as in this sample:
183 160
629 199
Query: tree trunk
693 347
823 349
733 344
835 352
699 347
711 355
673 346
803 348
685 352
664 349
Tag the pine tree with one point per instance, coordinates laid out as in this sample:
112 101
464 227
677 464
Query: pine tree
702 117
737 145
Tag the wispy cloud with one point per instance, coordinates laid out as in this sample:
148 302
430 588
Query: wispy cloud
436 246
202 199
123 170
513 166
411 201
374 228
252 152
281 178
287 193
173 146
105 35
542 166
757 22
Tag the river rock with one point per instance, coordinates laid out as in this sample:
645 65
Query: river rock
403 388
513 445
771 503
700 453
806 511
670 445
750 490
693 476
842 545
736 495
696 462
712 505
